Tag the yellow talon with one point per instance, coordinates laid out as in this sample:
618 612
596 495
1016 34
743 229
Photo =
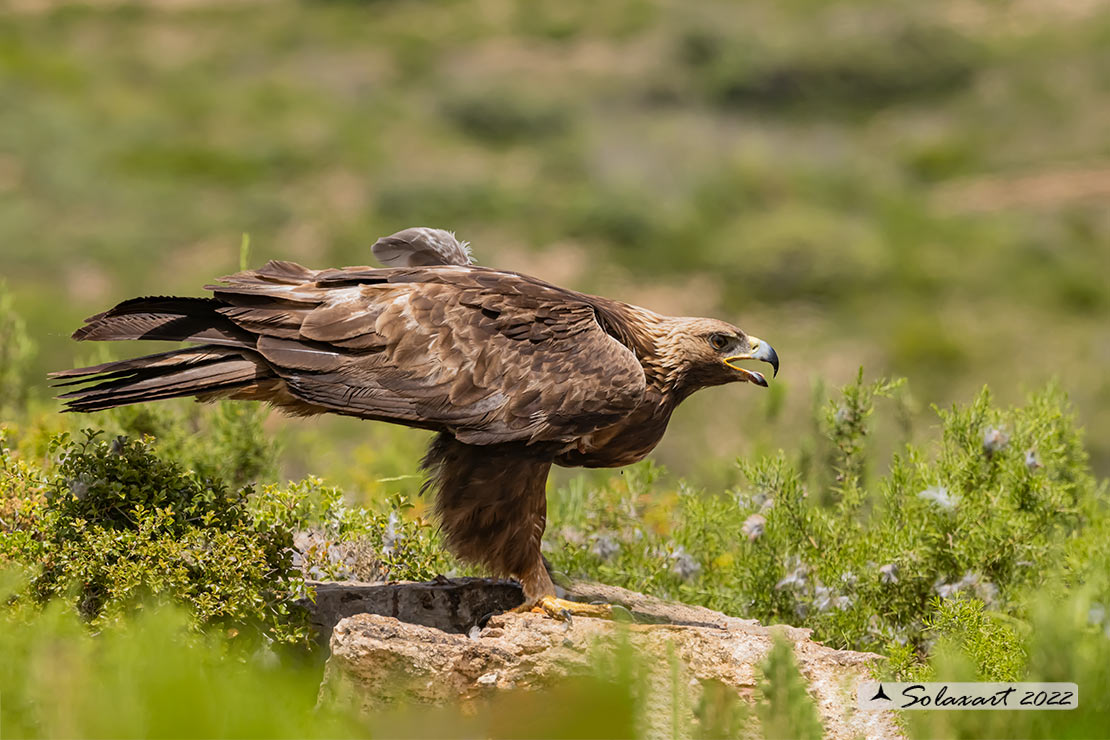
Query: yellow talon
562 609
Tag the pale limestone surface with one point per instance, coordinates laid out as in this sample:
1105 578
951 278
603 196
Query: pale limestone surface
437 643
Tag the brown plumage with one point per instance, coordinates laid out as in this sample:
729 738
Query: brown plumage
514 373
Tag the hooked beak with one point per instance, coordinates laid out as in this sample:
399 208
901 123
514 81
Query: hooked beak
759 350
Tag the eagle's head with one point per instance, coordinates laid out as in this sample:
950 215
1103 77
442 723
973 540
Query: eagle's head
698 353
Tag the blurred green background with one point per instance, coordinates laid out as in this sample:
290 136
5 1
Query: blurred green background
917 188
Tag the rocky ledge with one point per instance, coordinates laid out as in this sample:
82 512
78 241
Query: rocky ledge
451 639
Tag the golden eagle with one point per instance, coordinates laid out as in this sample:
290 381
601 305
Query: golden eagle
513 373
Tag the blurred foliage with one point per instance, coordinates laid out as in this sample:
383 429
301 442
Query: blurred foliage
15 352
234 447
788 709
850 73
149 675
918 188
1064 637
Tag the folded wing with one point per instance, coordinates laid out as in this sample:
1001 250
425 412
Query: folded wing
488 356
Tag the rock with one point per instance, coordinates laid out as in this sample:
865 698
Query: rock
450 605
438 642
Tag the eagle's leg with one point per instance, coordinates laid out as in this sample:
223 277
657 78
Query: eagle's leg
539 595
491 501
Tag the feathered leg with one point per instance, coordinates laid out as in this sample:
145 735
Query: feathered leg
491 501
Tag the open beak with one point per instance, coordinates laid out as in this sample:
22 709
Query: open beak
759 350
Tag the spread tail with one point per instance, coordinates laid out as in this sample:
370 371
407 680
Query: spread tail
222 364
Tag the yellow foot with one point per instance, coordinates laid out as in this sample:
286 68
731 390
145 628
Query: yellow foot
563 609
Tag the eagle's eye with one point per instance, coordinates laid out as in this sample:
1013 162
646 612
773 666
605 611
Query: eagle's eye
718 341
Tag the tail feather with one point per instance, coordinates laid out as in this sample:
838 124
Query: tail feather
148 364
165 318
206 370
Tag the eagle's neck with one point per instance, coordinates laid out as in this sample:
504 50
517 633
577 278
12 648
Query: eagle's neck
656 340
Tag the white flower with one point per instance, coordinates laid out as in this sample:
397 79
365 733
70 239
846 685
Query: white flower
940 496
391 538
945 590
822 598
1096 614
796 578
995 440
79 488
685 566
971 583
605 547
975 584
888 573
1032 462
754 526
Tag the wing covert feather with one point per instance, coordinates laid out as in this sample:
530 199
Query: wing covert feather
489 356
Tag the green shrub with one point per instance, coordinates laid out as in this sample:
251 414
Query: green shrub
335 541
506 116
119 524
990 642
22 503
846 72
224 440
982 514
1065 636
